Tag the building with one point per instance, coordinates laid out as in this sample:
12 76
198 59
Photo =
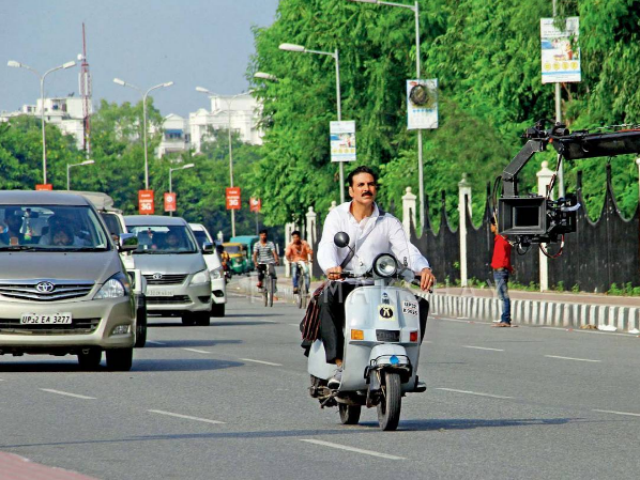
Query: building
64 112
175 136
241 111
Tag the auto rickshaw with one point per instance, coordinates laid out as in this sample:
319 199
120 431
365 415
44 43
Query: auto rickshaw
238 256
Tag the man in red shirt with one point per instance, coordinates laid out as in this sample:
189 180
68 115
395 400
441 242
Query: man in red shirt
501 265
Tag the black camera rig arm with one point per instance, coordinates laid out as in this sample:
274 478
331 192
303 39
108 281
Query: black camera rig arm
537 219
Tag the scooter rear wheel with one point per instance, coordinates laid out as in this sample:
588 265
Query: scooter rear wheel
390 403
349 414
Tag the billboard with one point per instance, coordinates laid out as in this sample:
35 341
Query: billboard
170 200
343 141
560 56
255 204
146 204
422 104
233 198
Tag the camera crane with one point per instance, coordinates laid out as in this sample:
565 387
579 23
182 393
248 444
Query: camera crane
535 219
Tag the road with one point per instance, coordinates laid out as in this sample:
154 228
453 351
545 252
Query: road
229 401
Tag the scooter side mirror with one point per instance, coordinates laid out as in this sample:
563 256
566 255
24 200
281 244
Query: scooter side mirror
341 239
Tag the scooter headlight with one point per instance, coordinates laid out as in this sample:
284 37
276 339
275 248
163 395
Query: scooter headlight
385 265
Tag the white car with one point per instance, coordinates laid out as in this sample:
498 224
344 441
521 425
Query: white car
214 264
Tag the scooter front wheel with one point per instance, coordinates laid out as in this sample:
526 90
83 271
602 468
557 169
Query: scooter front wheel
390 403
349 414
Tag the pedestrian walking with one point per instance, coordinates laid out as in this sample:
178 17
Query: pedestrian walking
501 265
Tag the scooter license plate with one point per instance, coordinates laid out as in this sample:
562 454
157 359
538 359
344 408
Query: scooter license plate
388 335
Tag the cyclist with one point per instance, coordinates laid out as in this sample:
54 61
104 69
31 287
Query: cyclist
298 251
264 253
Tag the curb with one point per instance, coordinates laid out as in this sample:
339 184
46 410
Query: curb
488 309
537 313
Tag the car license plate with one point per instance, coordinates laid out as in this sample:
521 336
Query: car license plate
159 293
46 319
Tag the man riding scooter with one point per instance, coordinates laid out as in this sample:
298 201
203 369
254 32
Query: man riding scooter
372 232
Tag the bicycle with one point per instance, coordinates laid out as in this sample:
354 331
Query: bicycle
269 284
302 272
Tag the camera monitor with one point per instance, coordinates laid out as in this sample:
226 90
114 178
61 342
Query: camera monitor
522 216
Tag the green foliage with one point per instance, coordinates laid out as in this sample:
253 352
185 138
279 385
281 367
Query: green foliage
486 55
118 153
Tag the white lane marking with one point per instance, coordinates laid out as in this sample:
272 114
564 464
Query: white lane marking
67 394
261 362
196 350
469 392
484 348
187 417
294 324
453 320
353 449
427 341
576 359
592 332
156 343
618 413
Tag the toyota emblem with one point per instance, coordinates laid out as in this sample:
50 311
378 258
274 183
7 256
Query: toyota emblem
157 276
45 287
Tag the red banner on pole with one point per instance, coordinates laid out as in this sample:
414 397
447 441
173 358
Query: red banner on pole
170 202
146 205
44 186
233 198
255 204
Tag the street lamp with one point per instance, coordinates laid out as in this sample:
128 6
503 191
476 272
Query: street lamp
171 170
290 47
416 10
265 76
144 120
228 101
70 166
64 66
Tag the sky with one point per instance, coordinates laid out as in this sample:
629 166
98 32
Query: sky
193 43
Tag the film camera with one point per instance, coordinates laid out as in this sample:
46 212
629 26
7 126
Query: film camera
531 219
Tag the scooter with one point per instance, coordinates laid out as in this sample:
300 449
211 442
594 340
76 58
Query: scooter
382 346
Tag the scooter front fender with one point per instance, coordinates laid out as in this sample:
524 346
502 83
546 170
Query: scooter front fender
391 357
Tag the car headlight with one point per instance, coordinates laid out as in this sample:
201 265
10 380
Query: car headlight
216 273
201 277
385 265
116 287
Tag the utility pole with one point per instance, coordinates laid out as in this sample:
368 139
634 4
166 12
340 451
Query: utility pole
85 93
559 119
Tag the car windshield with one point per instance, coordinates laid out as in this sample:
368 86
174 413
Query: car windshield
201 237
232 249
163 239
112 222
51 228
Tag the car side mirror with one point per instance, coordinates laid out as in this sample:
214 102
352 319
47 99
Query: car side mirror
128 242
207 248
341 239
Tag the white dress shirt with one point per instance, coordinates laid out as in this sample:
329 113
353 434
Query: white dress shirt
369 238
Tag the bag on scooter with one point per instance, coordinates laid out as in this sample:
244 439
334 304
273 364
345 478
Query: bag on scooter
310 325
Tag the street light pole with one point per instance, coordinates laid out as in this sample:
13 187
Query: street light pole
558 98
70 166
14 64
144 120
228 101
171 170
289 47
416 11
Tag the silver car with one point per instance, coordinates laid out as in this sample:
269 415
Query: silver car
63 287
214 264
178 280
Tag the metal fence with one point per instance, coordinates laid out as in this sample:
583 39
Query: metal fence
597 256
